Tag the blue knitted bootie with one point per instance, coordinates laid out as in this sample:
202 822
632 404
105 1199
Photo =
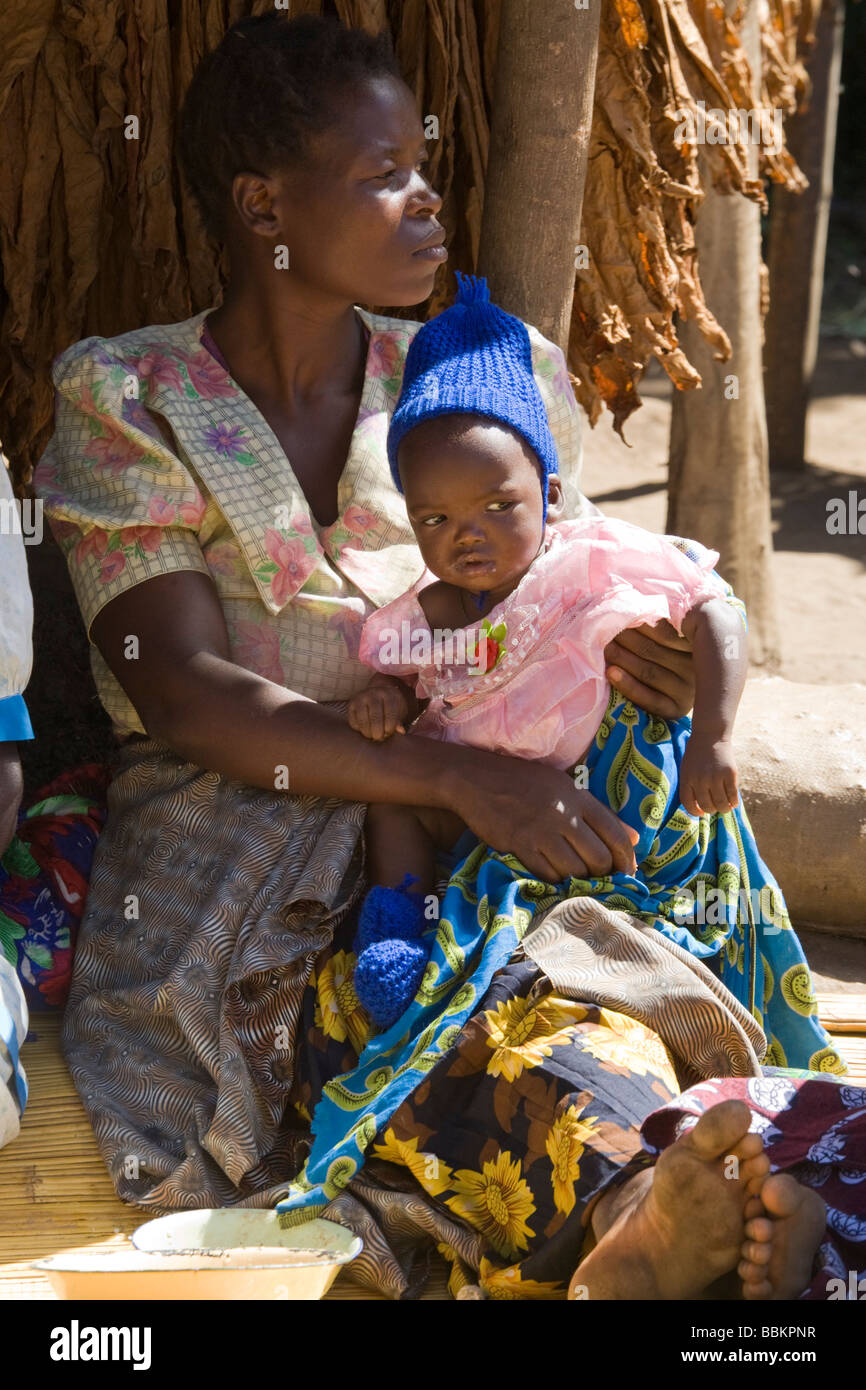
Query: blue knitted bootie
387 977
389 914
391 954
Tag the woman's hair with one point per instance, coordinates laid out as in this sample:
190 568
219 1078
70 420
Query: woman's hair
265 89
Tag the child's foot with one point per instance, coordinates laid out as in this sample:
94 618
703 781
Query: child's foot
387 977
389 914
784 1226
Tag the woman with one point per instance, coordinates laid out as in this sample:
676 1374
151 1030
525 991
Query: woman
224 589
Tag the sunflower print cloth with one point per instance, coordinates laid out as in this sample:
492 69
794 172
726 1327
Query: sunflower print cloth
530 1114
633 766
540 1105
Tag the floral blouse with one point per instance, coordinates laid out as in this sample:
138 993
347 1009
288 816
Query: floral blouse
159 463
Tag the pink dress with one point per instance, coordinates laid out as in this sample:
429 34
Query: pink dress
544 691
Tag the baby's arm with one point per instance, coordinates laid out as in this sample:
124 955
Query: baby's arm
708 776
385 707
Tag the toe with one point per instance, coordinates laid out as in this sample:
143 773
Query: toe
782 1196
754 1289
749 1147
754 1172
719 1129
754 1207
757 1253
759 1228
755 1186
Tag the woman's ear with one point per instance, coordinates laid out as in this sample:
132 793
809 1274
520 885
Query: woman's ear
555 499
255 202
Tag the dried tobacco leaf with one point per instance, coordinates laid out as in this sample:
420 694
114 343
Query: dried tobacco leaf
663 67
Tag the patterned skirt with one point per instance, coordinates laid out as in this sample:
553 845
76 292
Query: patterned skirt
490 903
208 904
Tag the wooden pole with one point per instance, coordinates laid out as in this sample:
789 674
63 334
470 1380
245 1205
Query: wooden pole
798 243
536 170
719 488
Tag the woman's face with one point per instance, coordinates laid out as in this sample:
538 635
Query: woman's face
357 214
474 498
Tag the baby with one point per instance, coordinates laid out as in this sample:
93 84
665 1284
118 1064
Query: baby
501 643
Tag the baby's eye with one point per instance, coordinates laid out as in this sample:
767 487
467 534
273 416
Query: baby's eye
503 505
433 520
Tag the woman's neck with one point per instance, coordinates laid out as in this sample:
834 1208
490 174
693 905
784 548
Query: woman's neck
293 346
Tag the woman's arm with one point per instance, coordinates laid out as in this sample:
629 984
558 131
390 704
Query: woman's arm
191 696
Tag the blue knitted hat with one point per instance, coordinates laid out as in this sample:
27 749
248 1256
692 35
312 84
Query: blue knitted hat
477 359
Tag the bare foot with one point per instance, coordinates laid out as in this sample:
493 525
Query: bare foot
674 1230
784 1226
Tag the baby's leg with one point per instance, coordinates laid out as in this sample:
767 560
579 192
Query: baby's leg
403 840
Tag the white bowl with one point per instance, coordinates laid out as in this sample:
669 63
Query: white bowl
225 1254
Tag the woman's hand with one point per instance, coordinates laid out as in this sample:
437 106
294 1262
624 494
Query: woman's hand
535 812
652 666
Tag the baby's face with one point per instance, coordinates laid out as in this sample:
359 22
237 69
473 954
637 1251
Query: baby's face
473 494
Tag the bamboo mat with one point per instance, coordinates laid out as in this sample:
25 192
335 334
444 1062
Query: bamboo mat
55 1192
56 1195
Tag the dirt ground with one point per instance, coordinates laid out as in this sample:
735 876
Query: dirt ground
820 581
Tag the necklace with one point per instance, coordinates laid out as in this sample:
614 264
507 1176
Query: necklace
481 599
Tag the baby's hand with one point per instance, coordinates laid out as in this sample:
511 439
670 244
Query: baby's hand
380 710
708 776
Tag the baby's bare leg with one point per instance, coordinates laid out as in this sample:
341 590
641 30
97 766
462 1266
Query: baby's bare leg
404 839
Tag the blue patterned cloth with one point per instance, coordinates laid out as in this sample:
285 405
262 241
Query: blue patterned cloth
700 881
485 911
